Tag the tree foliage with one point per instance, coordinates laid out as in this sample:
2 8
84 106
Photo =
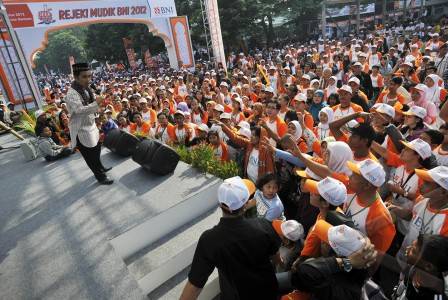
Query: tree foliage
62 44
102 42
251 23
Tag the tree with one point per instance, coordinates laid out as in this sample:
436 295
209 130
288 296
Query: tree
61 45
105 41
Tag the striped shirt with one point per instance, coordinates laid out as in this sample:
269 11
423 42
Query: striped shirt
82 120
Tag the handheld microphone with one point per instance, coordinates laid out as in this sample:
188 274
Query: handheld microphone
95 89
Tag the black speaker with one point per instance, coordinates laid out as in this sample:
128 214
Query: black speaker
144 151
126 144
111 139
165 160
140 151
156 157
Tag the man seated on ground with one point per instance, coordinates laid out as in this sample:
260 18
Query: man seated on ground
48 148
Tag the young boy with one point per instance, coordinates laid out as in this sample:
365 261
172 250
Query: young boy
48 148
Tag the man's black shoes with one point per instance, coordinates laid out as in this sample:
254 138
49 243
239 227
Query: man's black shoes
105 181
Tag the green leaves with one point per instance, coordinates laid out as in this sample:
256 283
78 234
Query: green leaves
202 157
61 45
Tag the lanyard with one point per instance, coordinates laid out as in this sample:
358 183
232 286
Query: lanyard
423 229
359 211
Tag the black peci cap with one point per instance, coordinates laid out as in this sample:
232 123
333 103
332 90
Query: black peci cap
80 67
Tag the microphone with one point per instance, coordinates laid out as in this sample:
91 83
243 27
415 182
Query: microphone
95 89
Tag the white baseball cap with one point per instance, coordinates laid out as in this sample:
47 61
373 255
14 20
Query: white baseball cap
416 111
370 170
218 107
346 88
355 80
357 64
142 100
291 229
245 132
269 89
203 127
332 190
438 175
179 112
223 83
343 240
307 173
300 97
385 109
420 87
225 116
407 63
239 100
244 124
307 77
234 192
420 146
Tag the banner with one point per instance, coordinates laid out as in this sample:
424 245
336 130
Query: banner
59 13
215 31
127 42
182 42
150 61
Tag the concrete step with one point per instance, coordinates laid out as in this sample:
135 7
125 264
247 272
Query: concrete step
172 289
172 245
163 262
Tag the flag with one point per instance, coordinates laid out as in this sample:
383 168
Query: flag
127 42
260 69
71 61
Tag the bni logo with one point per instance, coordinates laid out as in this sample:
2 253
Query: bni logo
163 10
45 16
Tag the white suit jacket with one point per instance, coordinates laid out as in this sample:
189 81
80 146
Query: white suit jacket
82 120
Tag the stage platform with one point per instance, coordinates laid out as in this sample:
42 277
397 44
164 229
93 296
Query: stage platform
63 236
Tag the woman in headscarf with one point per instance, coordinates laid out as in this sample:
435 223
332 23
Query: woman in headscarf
434 93
183 106
317 104
331 88
322 130
418 96
333 164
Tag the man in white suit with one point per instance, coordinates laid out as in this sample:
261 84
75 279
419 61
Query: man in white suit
82 106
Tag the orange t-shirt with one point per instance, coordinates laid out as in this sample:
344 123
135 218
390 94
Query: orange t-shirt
375 221
382 98
311 246
142 131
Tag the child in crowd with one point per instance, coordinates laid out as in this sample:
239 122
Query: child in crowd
266 200
48 148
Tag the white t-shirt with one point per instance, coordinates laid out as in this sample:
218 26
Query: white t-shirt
273 127
340 113
196 118
441 156
409 182
164 131
252 165
146 116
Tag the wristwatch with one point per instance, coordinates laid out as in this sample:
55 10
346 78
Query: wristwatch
347 264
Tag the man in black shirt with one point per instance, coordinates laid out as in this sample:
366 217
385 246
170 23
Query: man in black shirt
364 79
240 248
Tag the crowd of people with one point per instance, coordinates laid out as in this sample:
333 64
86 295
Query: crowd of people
343 148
